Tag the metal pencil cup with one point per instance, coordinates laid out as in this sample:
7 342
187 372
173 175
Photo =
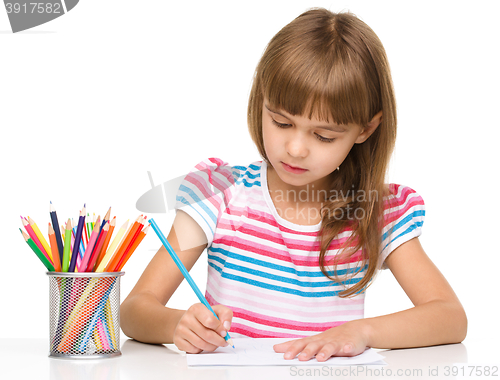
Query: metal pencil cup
84 314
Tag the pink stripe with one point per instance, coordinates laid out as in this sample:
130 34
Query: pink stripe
255 333
276 322
397 214
205 191
275 237
249 303
221 170
296 301
282 255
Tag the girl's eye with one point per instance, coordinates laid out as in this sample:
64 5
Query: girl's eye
280 125
324 139
319 137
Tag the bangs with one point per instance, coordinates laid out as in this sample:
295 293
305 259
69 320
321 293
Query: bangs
327 81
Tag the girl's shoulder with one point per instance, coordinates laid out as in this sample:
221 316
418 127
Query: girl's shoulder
218 171
403 218
396 195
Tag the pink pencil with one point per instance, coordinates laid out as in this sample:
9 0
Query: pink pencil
90 246
33 236
102 335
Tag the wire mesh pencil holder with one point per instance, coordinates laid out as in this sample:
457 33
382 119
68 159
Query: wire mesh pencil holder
84 314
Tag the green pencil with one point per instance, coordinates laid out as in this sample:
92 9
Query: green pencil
37 251
89 229
67 247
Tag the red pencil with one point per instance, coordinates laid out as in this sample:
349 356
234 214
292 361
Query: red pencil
97 248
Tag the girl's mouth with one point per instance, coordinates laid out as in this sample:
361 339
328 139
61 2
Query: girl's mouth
293 169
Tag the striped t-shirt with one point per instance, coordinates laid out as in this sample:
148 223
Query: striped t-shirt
266 268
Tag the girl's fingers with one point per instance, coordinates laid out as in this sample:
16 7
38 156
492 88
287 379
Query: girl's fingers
311 349
282 347
184 345
328 350
295 348
199 343
210 328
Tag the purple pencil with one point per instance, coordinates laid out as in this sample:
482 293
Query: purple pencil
78 237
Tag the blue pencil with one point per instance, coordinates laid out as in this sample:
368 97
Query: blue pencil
185 273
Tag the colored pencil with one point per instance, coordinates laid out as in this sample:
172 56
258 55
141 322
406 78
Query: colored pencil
106 242
124 245
184 271
55 223
78 237
137 241
37 251
33 237
112 248
90 247
97 248
89 225
106 218
101 294
67 246
40 237
55 249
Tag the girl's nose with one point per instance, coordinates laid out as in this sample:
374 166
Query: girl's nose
296 147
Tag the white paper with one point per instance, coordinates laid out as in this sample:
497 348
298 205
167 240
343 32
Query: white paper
251 351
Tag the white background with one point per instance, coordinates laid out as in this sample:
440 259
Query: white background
93 100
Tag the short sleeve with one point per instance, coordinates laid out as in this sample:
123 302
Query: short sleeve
205 192
404 213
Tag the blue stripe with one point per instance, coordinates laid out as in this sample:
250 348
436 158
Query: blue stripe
407 231
198 201
183 200
404 221
266 264
246 172
288 280
281 288
246 183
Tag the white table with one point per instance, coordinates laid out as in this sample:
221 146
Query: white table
28 359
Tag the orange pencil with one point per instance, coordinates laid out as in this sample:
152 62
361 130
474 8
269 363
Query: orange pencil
124 245
126 249
55 249
112 225
137 241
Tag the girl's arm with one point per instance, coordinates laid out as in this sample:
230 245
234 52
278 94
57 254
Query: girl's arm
437 318
144 316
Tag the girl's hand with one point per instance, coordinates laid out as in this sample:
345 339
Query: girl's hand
347 339
198 329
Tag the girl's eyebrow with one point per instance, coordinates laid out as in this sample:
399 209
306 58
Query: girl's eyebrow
335 128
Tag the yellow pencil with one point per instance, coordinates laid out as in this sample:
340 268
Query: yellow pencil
40 237
112 248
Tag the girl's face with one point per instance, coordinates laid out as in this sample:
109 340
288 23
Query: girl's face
306 151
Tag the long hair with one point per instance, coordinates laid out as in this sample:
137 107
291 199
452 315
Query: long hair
334 66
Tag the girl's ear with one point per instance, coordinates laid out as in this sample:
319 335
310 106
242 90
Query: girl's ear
370 128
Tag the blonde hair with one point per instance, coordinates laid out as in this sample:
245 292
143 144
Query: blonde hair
333 65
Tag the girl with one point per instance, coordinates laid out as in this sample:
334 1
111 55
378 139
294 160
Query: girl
294 240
